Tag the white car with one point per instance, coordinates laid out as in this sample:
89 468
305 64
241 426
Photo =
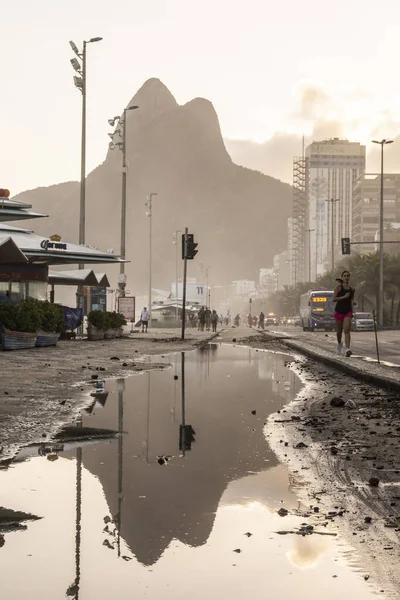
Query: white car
362 321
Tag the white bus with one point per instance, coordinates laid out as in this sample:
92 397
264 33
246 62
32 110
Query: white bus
316 310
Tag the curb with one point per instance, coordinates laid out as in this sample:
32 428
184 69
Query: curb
208 340
372 378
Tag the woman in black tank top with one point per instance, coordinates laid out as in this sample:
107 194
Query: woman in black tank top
343 296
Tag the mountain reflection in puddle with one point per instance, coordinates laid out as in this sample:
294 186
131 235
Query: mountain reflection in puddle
116 523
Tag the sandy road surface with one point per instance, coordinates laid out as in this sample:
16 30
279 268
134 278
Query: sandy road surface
43 388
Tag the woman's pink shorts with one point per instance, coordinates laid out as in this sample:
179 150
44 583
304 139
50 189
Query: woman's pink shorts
341 316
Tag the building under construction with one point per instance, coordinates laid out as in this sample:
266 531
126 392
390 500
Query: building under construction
297 224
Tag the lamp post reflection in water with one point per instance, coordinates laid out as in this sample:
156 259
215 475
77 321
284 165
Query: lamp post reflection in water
73 590
120 389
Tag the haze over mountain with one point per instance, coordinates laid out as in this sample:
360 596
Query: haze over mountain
238 216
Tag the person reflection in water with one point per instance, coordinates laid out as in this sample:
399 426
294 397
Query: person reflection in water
214 320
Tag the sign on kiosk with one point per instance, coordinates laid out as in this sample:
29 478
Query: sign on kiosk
126 307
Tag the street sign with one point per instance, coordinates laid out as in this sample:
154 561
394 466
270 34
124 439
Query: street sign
126 307
346 245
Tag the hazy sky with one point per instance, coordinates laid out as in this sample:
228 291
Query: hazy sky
269 68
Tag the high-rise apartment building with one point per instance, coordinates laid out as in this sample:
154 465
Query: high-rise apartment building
366 210
331 170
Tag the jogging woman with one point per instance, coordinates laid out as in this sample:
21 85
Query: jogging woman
343 296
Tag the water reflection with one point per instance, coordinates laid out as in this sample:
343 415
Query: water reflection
167 495
115 508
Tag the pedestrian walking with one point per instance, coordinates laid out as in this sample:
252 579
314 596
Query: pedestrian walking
214 320
261 319
250 321
202 318
208 319
343 296
191 319
237 320
145 317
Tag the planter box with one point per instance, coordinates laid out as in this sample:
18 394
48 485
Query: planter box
94 333
111 334
46 338
17 340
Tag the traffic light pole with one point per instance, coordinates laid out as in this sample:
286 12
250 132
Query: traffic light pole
185 253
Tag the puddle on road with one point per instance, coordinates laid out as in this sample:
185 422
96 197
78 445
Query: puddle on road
117 524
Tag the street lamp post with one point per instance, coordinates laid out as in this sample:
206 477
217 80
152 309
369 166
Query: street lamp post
149 214
121 131
380 295
332 203
309 253
176 270
80 83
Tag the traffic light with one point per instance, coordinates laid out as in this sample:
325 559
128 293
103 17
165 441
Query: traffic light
186 437
346 245
191 246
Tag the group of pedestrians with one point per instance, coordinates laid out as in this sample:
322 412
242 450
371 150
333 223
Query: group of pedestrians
207 319
254 321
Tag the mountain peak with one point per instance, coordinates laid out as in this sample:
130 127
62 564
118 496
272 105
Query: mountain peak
155 96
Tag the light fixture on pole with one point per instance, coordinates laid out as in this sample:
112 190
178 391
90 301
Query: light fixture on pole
332 203
309 252
121 132
149 214
382 143
80 84
176 270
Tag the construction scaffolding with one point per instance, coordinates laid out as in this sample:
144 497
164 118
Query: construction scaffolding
299 215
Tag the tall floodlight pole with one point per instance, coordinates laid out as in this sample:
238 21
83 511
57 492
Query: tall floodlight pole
80 83
381 254
176 270
149 214
121 132
332 203
309 253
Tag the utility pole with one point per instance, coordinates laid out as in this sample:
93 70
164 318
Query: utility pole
185 253
382 143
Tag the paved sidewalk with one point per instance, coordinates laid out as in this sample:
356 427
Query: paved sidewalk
384 376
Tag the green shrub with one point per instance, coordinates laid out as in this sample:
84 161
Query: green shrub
52 318
97 318
8 315
116 320
28 315
24 316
